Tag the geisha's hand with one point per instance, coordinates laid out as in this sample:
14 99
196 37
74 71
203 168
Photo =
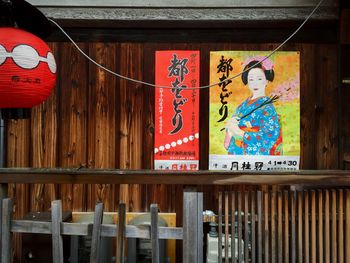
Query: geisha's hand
233 128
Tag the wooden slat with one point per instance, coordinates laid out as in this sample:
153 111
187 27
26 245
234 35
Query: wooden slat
18 155
260 246
273 228
121 233
131 126
239 215
102 122
266 228
226 228
247 241
347 225
340 226
73 122
286 226
220 228
96 234
154 233
313 227
327 252
327 110
57 242
6 214
233 226
334 241
300 226
306 227
44 142
293 247
279 227
253 223
320 227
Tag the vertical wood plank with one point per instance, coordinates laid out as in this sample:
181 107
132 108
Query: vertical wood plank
192 227
313 227
300 226
347 225
320 226
121 233
273 227
340 226
266 227
327 252
57 242
102 122
6 215
96 234
307 107
327 107
259 206
246 227
220 229
306 227
233 226
239 215
44 143
334 241
286 226
154 233
253 222
293 228
131 123
226 228
18 152
279 226
73 122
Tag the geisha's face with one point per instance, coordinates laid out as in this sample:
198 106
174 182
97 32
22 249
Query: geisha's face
257 82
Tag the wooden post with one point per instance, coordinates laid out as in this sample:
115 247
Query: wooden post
57 243
154 233
6 215
121 233
96 233
192 227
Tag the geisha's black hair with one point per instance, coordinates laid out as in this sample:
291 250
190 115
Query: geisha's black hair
269 74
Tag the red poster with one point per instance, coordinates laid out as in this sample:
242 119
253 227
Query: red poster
176 145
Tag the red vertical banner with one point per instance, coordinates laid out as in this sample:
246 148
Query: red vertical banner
176 145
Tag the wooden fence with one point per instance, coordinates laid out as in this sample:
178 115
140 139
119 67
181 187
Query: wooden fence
191 232
285 226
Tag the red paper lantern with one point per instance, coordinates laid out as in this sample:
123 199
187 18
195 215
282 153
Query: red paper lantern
27 69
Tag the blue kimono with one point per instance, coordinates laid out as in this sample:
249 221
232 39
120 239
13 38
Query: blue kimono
263 135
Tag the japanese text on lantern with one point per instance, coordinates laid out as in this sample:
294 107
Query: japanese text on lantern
176 113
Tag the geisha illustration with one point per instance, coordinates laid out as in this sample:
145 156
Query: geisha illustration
255 127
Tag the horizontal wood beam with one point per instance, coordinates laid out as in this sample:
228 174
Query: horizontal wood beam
203 177
81 229
184 17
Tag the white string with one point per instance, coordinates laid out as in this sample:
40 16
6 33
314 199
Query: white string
193 88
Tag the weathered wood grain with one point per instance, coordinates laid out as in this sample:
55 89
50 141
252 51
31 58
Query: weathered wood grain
18 155
102 111
131 125
73 122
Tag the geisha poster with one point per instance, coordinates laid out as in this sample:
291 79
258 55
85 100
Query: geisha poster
255 116
176 145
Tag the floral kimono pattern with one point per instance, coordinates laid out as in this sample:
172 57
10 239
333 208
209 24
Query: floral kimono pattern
262 129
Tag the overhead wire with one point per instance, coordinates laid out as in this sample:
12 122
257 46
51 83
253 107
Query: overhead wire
189 88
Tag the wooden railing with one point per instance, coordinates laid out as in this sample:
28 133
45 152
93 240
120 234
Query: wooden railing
202 177
191 233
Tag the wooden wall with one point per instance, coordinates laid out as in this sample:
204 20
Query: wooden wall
95 120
